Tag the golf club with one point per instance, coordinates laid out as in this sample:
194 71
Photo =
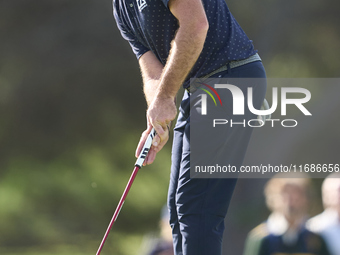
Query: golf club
138 165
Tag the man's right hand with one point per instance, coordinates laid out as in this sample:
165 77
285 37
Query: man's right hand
160 113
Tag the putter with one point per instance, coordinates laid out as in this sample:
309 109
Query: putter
138 165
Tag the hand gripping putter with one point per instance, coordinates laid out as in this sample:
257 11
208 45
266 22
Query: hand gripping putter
138 165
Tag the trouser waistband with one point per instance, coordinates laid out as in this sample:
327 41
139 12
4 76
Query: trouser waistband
230 65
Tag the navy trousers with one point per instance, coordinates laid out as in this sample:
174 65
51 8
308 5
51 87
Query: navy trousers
198 207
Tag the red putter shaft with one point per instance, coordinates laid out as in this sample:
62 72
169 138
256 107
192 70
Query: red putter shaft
138 165
119 207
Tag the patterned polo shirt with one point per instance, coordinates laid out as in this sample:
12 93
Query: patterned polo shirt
149 25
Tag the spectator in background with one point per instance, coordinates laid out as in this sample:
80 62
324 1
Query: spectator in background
161 245
327 223
284 232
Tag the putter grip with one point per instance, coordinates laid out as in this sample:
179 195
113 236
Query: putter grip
146 148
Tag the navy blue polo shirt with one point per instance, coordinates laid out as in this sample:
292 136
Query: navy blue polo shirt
149 25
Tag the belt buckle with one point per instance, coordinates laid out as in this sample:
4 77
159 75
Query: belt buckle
192 88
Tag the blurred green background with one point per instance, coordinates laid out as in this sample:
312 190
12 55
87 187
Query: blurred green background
72 111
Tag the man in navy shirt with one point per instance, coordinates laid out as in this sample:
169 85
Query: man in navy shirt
175 40
289 198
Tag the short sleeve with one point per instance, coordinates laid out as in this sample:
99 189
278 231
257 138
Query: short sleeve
137 47
166 2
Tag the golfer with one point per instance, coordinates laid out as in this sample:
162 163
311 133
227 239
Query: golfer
175 40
